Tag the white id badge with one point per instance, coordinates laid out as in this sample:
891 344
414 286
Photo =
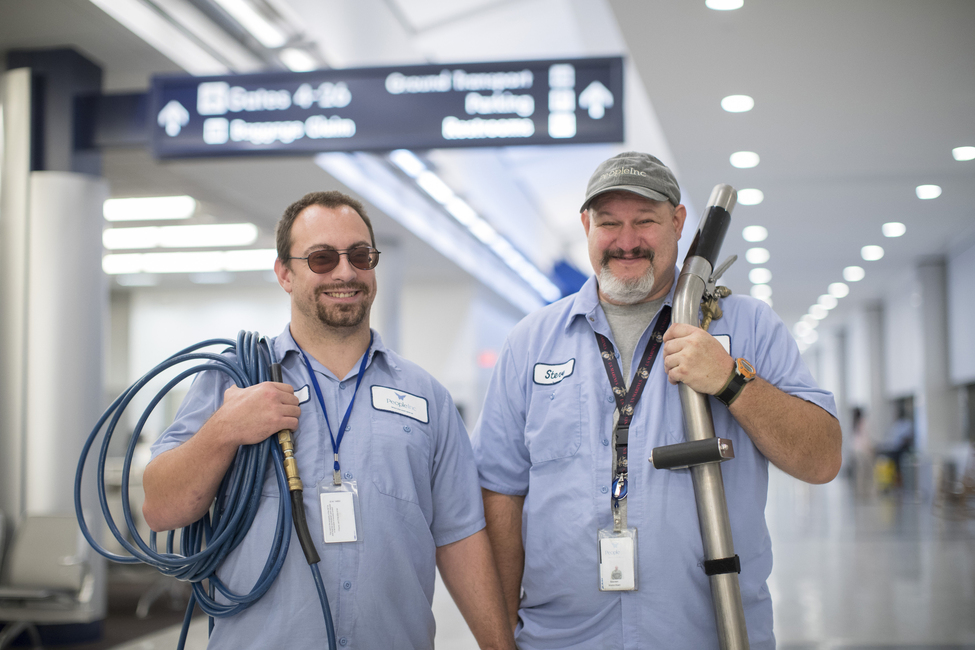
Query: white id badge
617 560
340 511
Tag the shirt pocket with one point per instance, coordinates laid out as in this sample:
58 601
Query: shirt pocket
399 458
553 426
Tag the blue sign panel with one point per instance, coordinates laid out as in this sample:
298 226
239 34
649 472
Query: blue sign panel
409 107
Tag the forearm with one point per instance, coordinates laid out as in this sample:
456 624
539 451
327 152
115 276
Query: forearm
468 570
180 484
503 514
797 436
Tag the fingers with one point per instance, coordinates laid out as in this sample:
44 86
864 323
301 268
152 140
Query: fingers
261 410
696 358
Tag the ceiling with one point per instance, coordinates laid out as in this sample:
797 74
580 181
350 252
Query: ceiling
856 103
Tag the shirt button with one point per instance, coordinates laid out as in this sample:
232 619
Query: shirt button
348 427
347 584
552 396
348 475
343 641
603 489
609 398
407 428
341 386
605 442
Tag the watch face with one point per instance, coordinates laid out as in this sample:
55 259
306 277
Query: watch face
745 369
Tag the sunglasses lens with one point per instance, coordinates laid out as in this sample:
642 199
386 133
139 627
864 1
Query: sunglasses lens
323 261
362 258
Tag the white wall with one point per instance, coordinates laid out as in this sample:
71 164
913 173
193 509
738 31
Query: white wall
961 315
902 336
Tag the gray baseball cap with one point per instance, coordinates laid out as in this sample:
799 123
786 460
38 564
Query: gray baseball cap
635 172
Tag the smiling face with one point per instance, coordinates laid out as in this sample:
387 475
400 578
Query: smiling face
341 298
632 246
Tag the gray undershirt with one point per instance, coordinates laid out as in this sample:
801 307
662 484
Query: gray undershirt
628 323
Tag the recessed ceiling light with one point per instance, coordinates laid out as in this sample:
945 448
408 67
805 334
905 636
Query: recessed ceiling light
961 153
809 320
757 255
800 329
893 229
839 289
744 159
724 5
811 337
872 253
761 291
754 233
738 103
818 312
827 301
149 208
759 275
750 196
928 191
853 273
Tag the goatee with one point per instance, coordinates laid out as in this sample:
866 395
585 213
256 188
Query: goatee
627 292
350 315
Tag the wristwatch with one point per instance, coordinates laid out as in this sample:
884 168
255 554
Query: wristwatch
743 373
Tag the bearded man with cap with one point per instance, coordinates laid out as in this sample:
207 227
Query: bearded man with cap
546 441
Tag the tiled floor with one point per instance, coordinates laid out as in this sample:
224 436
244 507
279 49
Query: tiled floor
891 571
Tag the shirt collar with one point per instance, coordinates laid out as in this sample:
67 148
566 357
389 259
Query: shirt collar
285 344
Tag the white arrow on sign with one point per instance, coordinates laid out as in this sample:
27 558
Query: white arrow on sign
173 117
597 98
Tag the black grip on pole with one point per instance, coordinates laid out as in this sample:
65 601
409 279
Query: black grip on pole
707 241
696 452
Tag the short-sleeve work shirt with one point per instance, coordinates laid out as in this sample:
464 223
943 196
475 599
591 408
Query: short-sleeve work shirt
417 487
546 433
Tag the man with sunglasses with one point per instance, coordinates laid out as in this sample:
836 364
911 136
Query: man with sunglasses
610 554
390 487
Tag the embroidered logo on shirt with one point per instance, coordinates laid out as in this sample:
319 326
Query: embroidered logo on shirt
412 406
553 374
302 394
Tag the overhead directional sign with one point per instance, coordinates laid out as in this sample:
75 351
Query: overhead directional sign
408 107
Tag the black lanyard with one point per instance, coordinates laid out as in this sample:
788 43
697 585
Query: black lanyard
626 400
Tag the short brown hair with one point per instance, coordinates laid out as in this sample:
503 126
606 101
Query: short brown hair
330 199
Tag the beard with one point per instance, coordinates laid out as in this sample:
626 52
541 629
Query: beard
627 292
339 316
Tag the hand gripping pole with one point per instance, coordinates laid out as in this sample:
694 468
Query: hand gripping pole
702 452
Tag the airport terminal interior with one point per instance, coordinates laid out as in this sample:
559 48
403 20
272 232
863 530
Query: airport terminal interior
149 147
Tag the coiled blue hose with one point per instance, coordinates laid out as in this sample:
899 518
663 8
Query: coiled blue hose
237 499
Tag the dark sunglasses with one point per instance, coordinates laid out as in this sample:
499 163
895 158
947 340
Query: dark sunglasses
323 261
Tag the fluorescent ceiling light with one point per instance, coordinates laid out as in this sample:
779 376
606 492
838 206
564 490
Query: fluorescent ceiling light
150 208
737 103
408 162
210 34
872 253
191 262
760 275
827 301
853 273
744 159
893 229
757 255
724 5
152 27
436 188
754 233
928 191
963 153
298 60
750 196
196 236
839 290
761 291
261 28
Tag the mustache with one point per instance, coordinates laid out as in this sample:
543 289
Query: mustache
634 254
342 288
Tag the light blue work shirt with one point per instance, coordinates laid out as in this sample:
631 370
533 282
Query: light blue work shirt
417 487
548 436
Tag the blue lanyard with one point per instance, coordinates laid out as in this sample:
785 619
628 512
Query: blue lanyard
336 474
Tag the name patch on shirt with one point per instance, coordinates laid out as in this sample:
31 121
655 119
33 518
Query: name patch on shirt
397 401
302 394
553 374
725 341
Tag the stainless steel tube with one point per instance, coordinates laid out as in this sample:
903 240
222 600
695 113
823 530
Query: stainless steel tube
712 508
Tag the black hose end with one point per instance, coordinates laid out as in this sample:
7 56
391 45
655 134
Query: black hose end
276 373
301 527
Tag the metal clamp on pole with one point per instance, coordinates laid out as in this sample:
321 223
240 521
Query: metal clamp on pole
697 284
688 454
